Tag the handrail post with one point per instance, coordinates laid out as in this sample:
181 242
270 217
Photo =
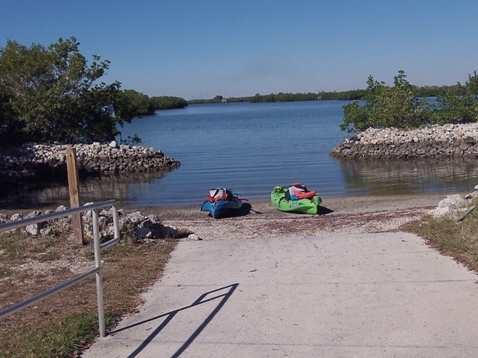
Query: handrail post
116 222
74 191
99 281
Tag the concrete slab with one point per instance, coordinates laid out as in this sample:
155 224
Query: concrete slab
330 295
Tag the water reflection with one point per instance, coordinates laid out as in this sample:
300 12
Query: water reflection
358 178
414 176
42 195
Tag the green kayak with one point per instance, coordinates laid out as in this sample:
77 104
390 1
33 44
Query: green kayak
280 198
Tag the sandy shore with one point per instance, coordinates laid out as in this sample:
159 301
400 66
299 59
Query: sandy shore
261 219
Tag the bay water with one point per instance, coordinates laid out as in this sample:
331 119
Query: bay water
250 148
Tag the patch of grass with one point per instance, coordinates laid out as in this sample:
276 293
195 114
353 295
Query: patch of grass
49 255
458 239
63 323
15 245
59 338
12 247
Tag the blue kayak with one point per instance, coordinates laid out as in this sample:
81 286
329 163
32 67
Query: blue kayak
222 202
222 208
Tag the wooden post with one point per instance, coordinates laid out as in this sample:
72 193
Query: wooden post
74 192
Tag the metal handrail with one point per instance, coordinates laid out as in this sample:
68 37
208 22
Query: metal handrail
57 214
97 253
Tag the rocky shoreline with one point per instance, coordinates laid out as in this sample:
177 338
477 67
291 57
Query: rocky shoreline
31 161
449 140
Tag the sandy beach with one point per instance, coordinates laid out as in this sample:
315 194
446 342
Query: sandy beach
261 219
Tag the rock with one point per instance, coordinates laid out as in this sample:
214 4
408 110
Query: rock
143 232
147 223
32 160
168 231
454 205
134 217
452 201
429 142
16 217
33 214
193 237
134 223
32 229
47 231
439 212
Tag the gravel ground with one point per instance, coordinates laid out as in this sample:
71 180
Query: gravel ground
260 219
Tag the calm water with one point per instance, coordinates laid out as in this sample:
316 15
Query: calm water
251 148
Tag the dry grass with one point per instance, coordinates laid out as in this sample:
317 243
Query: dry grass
67 321
451 237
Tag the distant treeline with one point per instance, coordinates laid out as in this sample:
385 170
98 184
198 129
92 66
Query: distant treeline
135 103
358 94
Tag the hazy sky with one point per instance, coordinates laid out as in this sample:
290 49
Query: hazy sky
203 48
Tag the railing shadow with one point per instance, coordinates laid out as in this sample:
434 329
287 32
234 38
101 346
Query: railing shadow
170 315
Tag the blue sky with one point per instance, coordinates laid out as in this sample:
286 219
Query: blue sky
203 48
